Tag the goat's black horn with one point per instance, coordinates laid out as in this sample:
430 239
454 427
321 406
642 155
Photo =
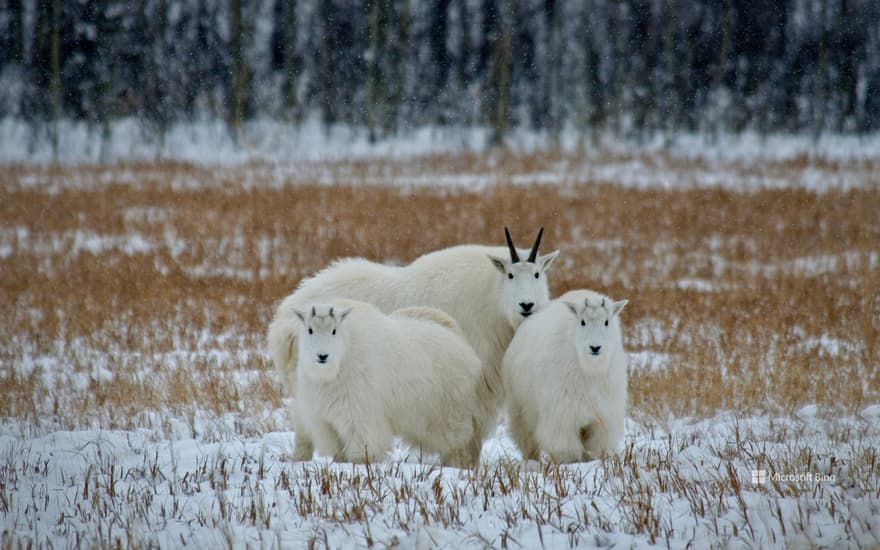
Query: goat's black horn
314 312
533 255
514 257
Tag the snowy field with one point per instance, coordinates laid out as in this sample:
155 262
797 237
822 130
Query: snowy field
686 483
140 409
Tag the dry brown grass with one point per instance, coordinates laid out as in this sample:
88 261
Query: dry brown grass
179 325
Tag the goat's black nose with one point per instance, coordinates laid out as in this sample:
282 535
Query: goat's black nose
322 357
526 306
595 349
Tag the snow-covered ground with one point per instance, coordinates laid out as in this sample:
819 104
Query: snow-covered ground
800 481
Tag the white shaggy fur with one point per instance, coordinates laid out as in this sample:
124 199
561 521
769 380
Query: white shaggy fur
565 377
365 377
471 283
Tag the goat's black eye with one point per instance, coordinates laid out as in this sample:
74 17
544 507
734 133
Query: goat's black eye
537 275
510 275
583 323
606 322
310 331
334 332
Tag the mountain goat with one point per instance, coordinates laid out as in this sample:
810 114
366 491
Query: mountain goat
487 290
565 378
365 377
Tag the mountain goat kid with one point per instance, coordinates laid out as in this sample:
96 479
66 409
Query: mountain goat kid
487 290
565 378
365 377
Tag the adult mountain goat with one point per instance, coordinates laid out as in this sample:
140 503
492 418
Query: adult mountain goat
565 377
487 290
365 377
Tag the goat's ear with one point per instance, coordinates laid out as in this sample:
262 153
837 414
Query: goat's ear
498 263
301 315
572 308
343 313
547 260
618 306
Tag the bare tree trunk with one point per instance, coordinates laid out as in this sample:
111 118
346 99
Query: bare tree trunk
462 68
594 95
376 75
615 23
499 78
17 40
821 78
55 69
327 63
156 110
670 89
236 113
641 82
554 93
721 64
583 97
397 69
724 51
848 79
437 41
291 68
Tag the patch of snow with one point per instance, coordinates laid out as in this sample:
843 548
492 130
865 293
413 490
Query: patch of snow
700 285
829 346
148 215
180 489
72 243
649 361
86 241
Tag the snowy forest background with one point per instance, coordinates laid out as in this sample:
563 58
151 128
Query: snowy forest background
630 67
